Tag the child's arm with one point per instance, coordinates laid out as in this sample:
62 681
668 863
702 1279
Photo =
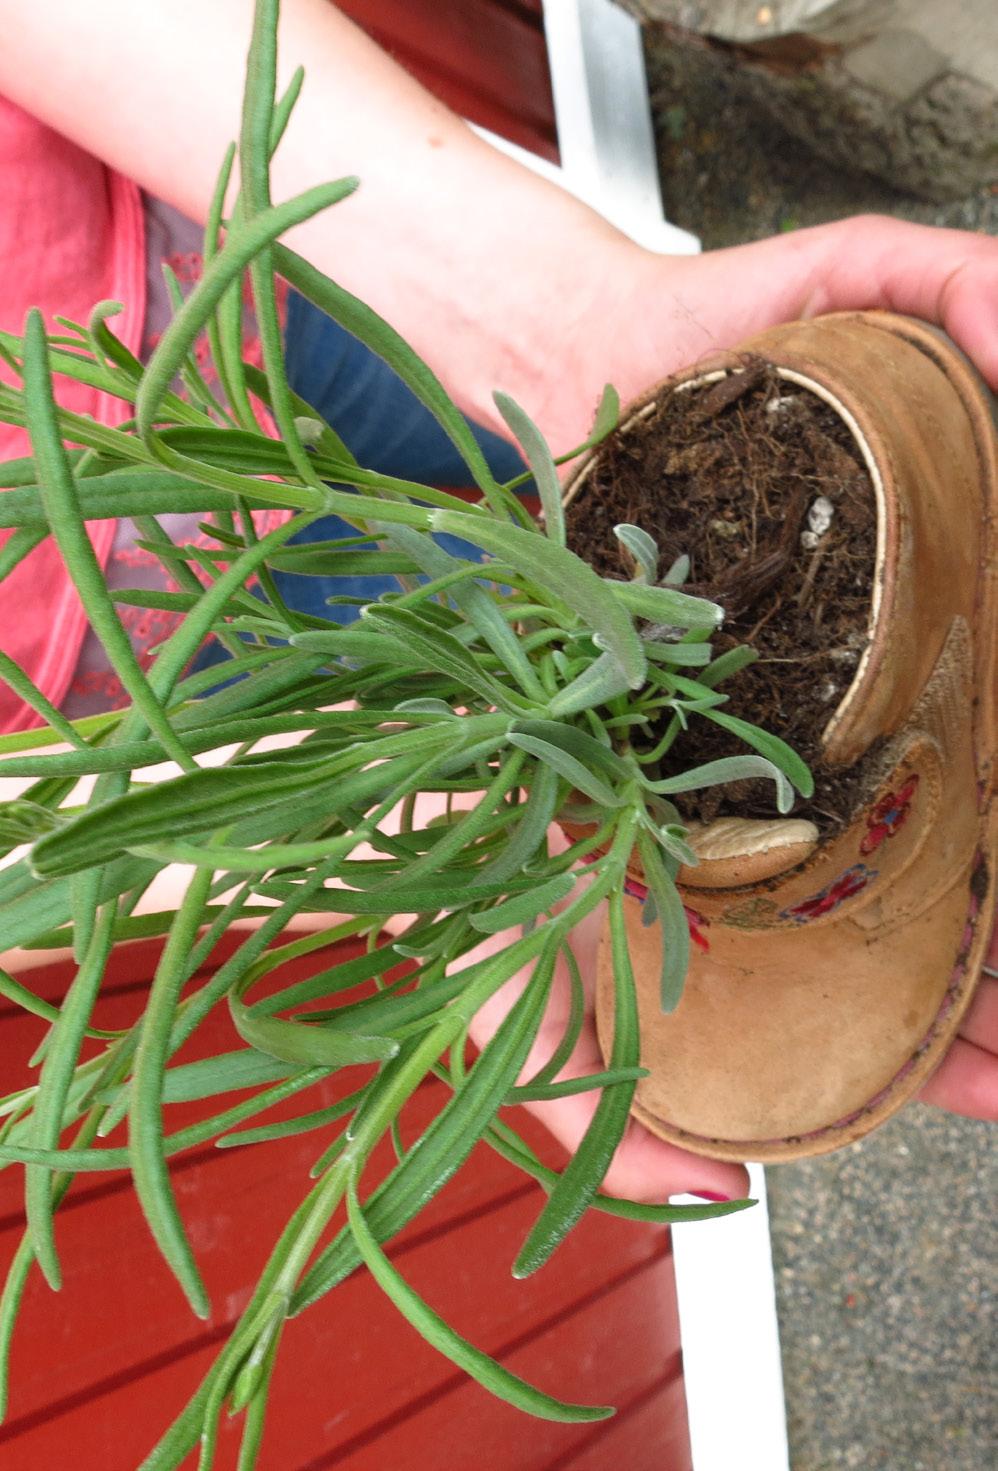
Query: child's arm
498 278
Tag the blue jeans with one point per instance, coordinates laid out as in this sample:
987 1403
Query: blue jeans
383 425
386 428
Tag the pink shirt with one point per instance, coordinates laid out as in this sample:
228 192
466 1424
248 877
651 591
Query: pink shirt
71 234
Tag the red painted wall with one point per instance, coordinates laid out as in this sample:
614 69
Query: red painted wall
485 58
99 1368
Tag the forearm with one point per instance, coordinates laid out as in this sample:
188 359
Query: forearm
459 247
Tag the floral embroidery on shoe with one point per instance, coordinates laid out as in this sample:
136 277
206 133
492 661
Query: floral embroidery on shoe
697 923
888 816
844 887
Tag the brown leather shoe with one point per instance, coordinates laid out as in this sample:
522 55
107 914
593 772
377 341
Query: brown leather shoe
836 973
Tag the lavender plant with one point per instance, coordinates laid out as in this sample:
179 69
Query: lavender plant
512 692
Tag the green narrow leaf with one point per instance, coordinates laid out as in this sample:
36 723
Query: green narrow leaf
475 602
17 1276
14 676
567 766
254 159
98 1161
195 802
672 921
607 416
426 643
311 1045
107 344
583 1175
511 1147
448 1140
643 550
599 682
193 379
727 769
665 605
226 1073
207 798
20 545
287 1128
10 1306
468 828
256 1400
541 462
61 1057
605 421
328 443
585 748
727 664
84 889
537 814
569 1087
68 528
21 996
573 1026
340 977
242 244
679 654
376 334
562 574
145 1130
768 746
524 907
487 1372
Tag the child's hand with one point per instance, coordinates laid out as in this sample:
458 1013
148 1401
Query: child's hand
644 1168
967 1080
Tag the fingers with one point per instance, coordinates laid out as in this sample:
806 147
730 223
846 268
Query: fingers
967 1079
966 1082
644 1168
991 959
980 1025
948 277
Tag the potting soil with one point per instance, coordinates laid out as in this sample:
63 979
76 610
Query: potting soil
761 484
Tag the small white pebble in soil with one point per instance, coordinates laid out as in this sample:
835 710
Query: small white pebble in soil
781 403
819 517
829 690
727 529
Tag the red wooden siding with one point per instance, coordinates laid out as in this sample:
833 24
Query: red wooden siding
102 1366
485 58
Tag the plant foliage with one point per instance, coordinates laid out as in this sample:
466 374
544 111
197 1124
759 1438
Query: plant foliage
426 750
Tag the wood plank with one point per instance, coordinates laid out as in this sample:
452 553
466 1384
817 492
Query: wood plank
128 1351
598 1351
648 1434
345 1365
486 60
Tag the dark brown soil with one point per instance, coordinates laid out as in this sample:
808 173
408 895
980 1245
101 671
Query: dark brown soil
728 474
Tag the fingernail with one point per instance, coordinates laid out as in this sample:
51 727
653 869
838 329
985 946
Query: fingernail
711 1195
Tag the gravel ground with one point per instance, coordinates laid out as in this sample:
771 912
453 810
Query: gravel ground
730 174
886 1253
886 1259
